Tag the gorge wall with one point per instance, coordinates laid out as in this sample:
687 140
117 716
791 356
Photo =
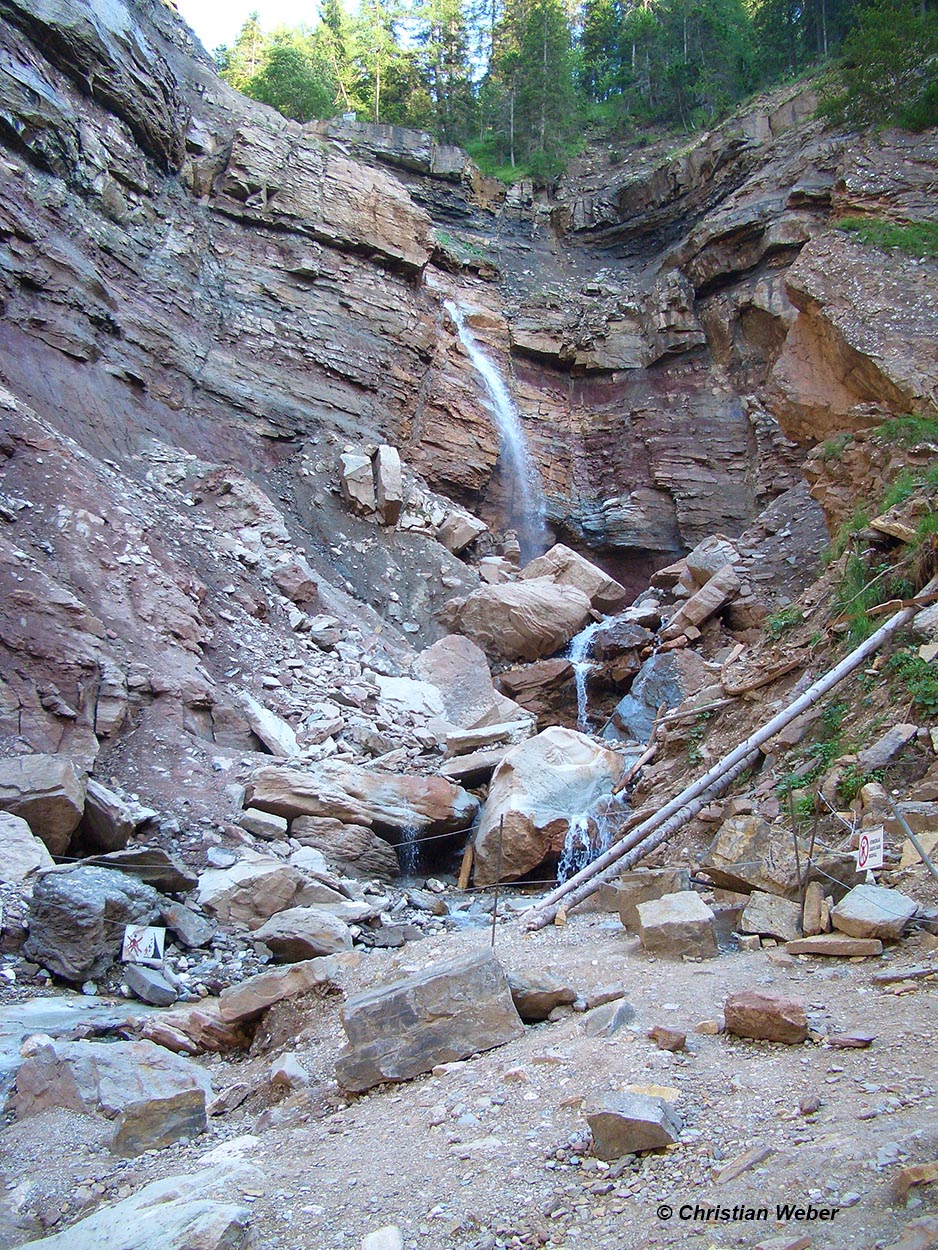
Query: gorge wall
204 304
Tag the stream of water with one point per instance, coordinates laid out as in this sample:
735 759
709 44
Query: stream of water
578 654
408 851
589 834
527 501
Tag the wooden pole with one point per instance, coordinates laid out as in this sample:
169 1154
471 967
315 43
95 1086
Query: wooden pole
543 913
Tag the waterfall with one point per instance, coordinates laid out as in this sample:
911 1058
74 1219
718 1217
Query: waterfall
408 851
527 504
590 834
578 654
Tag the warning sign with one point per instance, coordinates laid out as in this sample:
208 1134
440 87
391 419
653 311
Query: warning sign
143 944
870 850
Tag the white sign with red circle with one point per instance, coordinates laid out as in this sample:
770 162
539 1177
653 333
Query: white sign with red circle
870 850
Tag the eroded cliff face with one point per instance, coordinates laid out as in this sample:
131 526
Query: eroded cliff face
204 304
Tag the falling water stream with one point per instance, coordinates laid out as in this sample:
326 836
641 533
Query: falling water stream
589 834
527 508
578 654
408 851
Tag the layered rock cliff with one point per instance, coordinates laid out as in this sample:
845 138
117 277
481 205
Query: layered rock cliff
204 305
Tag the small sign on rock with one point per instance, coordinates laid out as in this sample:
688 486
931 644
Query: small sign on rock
870 849
143 944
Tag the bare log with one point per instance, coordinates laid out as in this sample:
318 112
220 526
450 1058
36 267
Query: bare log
542 913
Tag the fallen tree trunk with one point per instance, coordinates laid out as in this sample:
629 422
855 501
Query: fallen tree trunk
543 913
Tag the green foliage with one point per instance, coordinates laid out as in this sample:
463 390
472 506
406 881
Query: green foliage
918 239
908 431
859 520
888 67
834 448
782 620
919 678
853 779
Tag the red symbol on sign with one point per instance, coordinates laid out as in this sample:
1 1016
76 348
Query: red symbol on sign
864 852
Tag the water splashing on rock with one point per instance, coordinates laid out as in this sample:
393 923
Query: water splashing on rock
590 834
527 502
408 851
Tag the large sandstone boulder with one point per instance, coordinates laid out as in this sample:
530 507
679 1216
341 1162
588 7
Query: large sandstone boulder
628 1123
566 567
177 1213
156 1097
352 850
677 924
750 854
48 792
521 620
668 677
248 999
446 1012
873 911
362 796
108 822
538 789
256 888
21 852
715 594
77 919
460 671
277 736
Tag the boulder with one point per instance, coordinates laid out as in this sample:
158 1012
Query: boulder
640 885
710 557
771 916
357 482
77 919
151 864
276 735
264 825
748 853
21 852
885 750
459 531
352 850
720 590
522 620
196 1028
566 567
836 945
538 789
187 926
768 1017
177 1213
108 822
668 677
48 792
149 985
154 1096
873 911
296 581
240 1003
535 995
540 688
303 933
446 1012
250 891
617 637
624 1124
389 487
460 671
676 925
363 796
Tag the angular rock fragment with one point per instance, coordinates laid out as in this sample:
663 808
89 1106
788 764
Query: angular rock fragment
263 824
447 1012
249 998
536 995
520 620
353 850
624 1124
149 985
187 926
566 567
771 916
303 933
48 792
151 864
765 1016
643 884
178 1213
676 925
21 852
836 945
873 911
108 821
389 489
154 1096
77 919
250 891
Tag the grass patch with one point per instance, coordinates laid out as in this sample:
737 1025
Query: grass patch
462 249
919 678
834 448
918 239
783 620
908 431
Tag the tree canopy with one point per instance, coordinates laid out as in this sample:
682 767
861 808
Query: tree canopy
518 81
